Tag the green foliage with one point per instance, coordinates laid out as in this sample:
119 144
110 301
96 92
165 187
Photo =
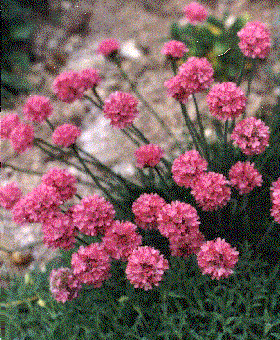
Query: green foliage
186 305
215 41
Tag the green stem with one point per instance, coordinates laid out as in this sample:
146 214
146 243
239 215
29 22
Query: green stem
130 137
101 103
173 66
27 171
163 182
139 134
92 101
225 138
82 241
241 73
250 83
50 124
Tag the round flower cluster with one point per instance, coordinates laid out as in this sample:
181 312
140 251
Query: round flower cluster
37 205
187 168
90 78
174 49
10 194
251 135
177 218
255 40
146 267
91 264
63 284
195 75
22 137
108 47
148 155
121 109
8 124
37 108
59 231
69 86
66 135
211 191
217 258
121 239
226 101
62 181
93 216
186 244
275 198
245 177
146 209
195 13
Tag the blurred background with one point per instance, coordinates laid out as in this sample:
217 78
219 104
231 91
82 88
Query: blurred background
43 38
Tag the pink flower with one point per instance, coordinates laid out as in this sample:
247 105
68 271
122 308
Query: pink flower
217 258
186 244
251 135
148 155
245 177
108 47
146 267
197 74
93 216
91 265
69 86
275 198
37 205
195 13
8 124
226 101
66 135
59 231
177 89
37 108
255 40
187 168
211 191
62 181
121 109
121 239
90 78
22 137
174 49
146 209
177 218
10 194
63 284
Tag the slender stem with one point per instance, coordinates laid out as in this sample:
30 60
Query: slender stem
241 73
77 195
163 182
27 171
101 103
250 83
92 101
268 231
130 137
50 124
139 134
82 241
225 138
173 65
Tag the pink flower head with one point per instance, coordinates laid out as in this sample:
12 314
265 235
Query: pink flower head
146 209
146 267
177 89
91 78
121 109
93 216
37 205
211 191
121 239
148 155
226 101
37 108
217 258
66 135
245 177
10 194
197 74
186 244
62 181
8 124
255 40
63 284
22 137
69 86
174 49
108 47
177 218
187 168
59 231
195 13
251 135
275 198
91 264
